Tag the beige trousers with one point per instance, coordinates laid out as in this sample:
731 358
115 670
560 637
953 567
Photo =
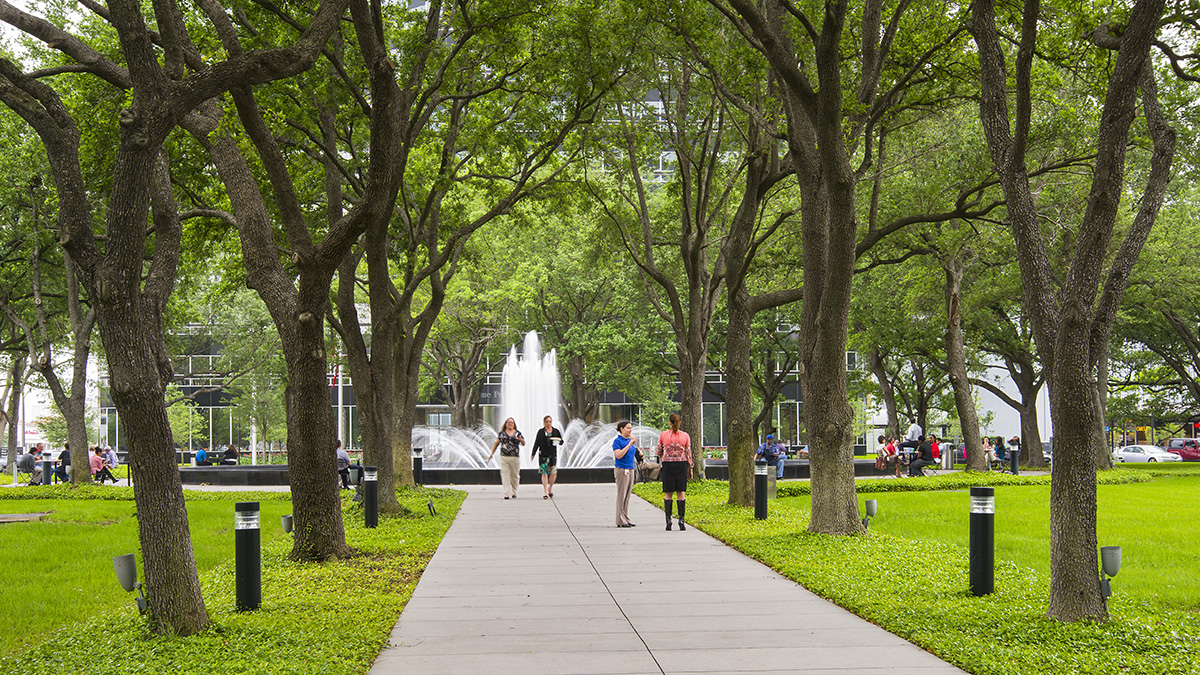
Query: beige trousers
510 474
624 478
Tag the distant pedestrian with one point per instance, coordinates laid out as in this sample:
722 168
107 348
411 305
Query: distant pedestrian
675 450
624 465
545 454
509 440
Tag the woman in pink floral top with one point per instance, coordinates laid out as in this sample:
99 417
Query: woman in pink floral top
675 453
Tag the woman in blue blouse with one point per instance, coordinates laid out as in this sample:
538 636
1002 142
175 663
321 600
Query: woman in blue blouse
624 452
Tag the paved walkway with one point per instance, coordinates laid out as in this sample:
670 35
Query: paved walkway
530 586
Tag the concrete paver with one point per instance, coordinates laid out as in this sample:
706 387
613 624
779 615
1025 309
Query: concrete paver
552 586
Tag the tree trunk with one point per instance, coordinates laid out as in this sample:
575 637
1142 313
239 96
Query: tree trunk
1100 445
886 391
1031 437
312 439
16 388
956 365
691 399
374 402
1074 584
738 400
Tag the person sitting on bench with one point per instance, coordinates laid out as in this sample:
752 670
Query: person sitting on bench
62 471
28 463
924 458
100 471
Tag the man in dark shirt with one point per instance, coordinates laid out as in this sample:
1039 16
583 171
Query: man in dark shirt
924 458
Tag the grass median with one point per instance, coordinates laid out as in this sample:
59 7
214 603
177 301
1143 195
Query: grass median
909 574
67 614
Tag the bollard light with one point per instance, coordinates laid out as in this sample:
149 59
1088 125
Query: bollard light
418 467
760 489
1110 564
247 547
983 541
370 497
871 507
125 567
286 523
47 468
432 511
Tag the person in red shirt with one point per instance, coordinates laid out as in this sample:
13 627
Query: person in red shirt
675 454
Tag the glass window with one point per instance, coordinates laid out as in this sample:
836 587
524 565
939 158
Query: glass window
713 424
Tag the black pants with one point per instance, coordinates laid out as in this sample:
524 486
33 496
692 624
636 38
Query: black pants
914 469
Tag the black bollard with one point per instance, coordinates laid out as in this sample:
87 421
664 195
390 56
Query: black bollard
370 496
983 540
247 545
418 466
760 489
1014 456
47 468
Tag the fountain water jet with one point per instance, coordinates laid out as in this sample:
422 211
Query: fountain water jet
529 390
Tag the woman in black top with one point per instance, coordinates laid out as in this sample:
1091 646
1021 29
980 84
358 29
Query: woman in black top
546 444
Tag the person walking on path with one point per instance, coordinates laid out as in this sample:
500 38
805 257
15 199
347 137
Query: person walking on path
510 441
624 452
675 449
545 453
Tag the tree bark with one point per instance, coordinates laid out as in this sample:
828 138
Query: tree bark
956 362
1072 321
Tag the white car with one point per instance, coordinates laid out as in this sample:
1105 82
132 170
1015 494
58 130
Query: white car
1146 453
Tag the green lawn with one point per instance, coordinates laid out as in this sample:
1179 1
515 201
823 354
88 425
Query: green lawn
58 578
909 574
1151 522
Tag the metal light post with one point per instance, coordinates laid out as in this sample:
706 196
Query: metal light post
760 489
247 545
418 466
370 496
983 540
47 467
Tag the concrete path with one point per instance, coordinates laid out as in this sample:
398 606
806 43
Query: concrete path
531 586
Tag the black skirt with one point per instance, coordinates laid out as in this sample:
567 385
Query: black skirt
674 476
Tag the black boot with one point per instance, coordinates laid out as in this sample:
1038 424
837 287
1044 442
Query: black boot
682 508
667 510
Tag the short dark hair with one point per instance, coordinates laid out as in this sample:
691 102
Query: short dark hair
622 424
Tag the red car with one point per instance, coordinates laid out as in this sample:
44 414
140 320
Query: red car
1188 449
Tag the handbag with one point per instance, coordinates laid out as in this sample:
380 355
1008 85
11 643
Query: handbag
881 463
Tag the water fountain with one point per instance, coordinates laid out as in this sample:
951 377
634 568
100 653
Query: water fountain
529 390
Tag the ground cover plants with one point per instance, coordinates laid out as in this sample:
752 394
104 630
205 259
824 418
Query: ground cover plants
328 618
916 585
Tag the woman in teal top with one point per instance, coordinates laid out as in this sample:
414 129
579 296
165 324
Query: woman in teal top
624 464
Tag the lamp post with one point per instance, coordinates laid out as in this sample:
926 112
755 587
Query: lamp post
247 553
418 466
983 540
760 489
47 467
370 496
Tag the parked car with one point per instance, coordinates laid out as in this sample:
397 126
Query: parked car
1145 453
1188 449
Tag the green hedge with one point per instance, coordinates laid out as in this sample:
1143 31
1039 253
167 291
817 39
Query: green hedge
960 480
